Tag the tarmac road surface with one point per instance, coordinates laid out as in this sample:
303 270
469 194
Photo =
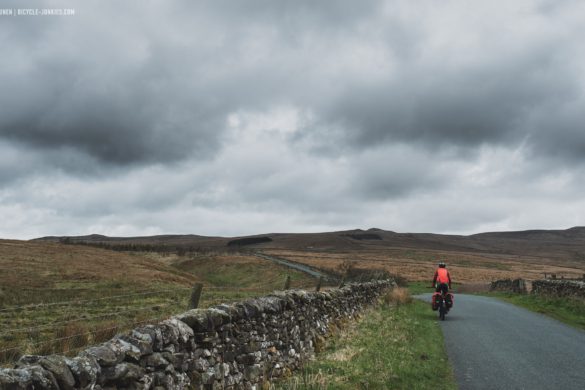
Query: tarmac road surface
300 267
496 345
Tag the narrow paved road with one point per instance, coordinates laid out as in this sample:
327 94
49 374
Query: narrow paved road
496 345
299 267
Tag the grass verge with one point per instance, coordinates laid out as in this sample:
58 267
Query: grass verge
416 288
568 310
397 345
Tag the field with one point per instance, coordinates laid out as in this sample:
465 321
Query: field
420 264
472 259
60 298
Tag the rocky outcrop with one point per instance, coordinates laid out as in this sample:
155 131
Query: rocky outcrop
235 346
559 288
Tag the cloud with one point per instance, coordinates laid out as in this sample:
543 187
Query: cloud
257 116
467 85
378 72
125 93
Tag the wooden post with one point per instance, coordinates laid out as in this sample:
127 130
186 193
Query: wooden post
195 296
287 283
318 288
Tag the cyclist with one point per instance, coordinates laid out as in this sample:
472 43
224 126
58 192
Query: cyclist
442 279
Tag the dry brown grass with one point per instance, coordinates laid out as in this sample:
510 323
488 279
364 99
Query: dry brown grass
397 296
37 264
344 354
72 336
420 264
57 298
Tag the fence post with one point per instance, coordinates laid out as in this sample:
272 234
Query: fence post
287 283
318 288
195 296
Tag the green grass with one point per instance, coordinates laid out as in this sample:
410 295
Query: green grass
390 348
71 314
261 274
43 321
93 316
568 310
416 288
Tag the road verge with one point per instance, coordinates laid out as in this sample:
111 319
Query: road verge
569 310
397 345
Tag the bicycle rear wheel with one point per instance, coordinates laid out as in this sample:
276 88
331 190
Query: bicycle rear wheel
442 310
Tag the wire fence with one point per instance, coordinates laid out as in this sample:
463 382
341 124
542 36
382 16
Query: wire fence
85 301
66 326
70 339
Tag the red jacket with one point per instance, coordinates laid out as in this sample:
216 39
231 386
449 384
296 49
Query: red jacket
442 276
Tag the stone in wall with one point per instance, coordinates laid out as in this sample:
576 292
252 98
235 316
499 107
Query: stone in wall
559 288
230 346
508 285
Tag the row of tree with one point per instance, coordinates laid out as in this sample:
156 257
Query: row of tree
165 249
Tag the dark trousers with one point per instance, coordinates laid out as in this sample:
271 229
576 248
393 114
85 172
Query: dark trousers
442 288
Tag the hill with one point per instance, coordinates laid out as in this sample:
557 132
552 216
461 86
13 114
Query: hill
565 245
474 258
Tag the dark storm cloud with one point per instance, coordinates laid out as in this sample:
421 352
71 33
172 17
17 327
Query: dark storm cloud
125 87
459 108
559 130
345 111
156 84
392 173
532 94
112 108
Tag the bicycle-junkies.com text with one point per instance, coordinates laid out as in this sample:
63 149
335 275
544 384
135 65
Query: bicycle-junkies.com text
37 11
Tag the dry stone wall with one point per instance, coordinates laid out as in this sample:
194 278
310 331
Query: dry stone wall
509 285
235 346
560 288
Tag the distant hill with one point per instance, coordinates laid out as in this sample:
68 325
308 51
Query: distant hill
565 244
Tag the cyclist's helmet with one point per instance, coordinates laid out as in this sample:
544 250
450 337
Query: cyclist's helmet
442 264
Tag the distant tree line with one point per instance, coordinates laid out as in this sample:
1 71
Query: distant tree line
165 249
363 236
248 241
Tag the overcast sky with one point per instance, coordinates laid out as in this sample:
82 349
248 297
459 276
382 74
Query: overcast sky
242 117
